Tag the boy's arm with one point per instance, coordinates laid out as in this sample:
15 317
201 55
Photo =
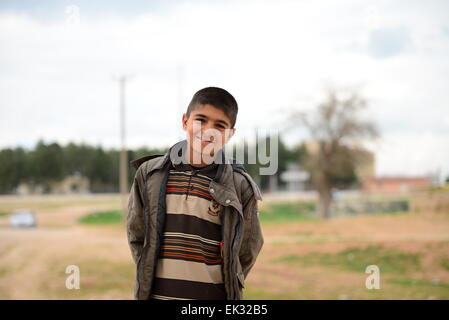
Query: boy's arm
252 241
134 220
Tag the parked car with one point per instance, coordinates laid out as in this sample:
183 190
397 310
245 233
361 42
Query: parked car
23 218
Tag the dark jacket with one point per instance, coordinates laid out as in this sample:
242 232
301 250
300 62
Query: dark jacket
242 234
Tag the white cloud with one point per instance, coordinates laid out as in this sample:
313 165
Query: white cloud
419 153
56 79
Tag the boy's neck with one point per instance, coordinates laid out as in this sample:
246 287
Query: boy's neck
193 157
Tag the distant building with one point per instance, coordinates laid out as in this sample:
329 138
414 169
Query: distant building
394 184
74 184
25 189
295 177
365 170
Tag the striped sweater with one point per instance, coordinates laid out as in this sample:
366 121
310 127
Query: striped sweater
190 262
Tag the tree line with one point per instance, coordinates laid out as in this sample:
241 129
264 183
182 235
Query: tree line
52 162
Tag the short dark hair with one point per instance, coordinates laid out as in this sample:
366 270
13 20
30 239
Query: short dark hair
217 97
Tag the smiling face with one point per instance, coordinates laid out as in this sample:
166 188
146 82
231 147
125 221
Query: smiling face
208 129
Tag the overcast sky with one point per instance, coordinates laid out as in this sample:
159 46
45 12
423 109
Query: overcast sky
59 62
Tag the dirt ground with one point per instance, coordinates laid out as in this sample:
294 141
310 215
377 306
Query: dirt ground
33 261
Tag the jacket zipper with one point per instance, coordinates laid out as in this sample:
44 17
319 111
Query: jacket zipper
234 244
190 179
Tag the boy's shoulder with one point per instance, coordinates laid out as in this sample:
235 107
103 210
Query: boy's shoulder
149 161
244 179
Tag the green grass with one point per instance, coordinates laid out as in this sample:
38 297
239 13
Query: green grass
305 210
103 217
97 276
357 259
285 212
445 263
418 283
255 293
3 271
2 214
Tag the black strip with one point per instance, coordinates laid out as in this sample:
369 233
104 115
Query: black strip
195 257
250 309
192 225
193 260
189 289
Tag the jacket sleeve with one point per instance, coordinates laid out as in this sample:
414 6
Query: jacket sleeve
135 226
252 241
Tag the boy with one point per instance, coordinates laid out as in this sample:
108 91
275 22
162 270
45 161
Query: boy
192 222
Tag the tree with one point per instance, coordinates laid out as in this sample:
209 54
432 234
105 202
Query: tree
337 129
13 168
47 163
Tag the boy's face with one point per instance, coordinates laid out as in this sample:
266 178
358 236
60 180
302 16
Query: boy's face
208 129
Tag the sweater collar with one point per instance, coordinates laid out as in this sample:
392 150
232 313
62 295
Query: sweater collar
177 154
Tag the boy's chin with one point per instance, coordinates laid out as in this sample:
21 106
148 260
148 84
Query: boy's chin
204 147
206 154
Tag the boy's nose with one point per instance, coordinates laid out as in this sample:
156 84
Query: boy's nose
208 134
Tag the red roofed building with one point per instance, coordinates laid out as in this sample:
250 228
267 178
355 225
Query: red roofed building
394 184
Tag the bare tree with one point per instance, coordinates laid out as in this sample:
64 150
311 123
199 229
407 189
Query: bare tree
337 129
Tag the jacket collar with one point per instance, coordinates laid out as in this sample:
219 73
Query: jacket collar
223 183
223 169
177 155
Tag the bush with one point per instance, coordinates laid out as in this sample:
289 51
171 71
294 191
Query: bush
105 217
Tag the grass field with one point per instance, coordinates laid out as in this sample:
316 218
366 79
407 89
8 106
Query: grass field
303 257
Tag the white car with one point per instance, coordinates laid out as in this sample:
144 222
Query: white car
23 218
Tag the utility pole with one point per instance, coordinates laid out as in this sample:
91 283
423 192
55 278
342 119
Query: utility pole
180 102
123 178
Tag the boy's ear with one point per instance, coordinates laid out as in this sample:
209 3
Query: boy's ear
184 122
230 134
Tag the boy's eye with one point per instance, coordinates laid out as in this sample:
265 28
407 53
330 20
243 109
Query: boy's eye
200 120
220 127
